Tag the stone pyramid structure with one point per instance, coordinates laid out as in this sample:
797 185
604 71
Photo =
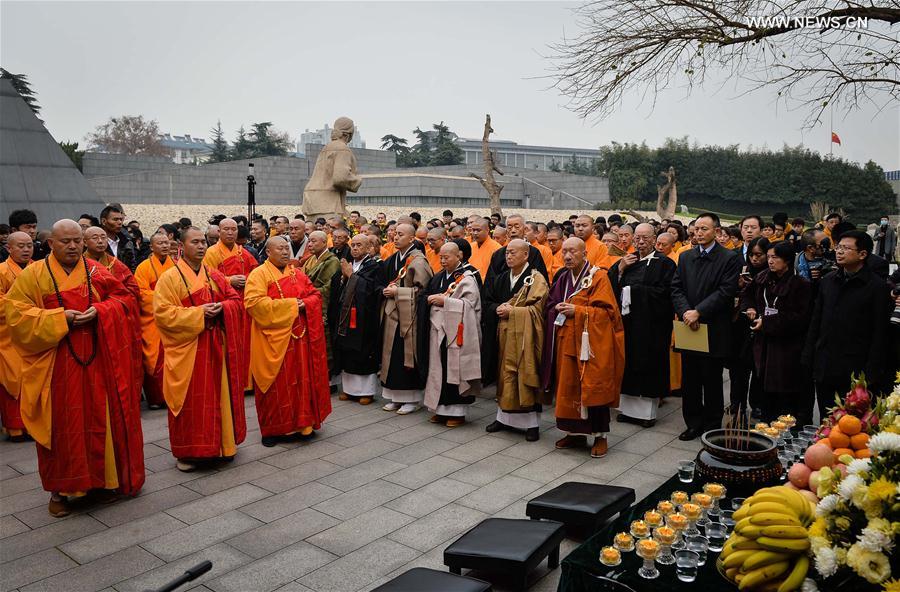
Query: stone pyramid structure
35 173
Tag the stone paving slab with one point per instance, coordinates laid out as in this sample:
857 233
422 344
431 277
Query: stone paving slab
373 495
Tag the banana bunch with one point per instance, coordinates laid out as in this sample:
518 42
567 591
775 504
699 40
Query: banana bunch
767 552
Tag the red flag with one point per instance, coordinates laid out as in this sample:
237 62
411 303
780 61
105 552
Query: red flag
835 139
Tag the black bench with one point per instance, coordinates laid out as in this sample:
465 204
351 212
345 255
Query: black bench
419 579
511 547
582 507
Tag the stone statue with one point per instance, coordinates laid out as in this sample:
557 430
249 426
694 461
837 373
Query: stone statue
335 174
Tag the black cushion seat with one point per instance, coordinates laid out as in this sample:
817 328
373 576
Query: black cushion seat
421 578
513 547
580 506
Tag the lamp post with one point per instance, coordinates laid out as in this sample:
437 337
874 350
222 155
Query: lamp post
251 194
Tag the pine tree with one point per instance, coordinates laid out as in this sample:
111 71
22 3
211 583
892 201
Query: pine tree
242 146
22 86
220 152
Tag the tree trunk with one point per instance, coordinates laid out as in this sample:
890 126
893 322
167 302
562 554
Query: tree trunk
667 211
487 158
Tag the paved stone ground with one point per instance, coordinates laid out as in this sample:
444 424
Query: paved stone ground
373 495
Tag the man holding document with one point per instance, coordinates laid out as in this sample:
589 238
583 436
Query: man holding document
703 292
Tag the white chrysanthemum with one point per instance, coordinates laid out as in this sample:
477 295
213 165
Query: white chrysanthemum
849 485
826 562
809 586
859 466
885 442
827 505
876 539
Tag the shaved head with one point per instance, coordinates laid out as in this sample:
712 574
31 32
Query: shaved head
228 232
318 242
67 242
451 256
20 247
573 254
403 236
517 254
159 245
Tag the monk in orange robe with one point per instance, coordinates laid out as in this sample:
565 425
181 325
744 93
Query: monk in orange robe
483 246
435 240
500 235
584 350
555 237
96 249
20 247
200 319
613 251
235 263
596 250
532 234
389 248
288 358
69 321
146 275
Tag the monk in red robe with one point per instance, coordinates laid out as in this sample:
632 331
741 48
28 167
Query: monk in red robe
584 351
200 321
288 358
20 247
235 263
70 322
95 248
146 275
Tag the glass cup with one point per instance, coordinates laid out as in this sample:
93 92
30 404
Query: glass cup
677 522
698 544
716 491
809 431
787 460
716 532
704 500
648 550
737 502
727 518
686 564
686 471
666 537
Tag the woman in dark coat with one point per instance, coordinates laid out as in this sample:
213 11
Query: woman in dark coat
777 305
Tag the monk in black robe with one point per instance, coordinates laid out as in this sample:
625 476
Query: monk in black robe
642 282
354 320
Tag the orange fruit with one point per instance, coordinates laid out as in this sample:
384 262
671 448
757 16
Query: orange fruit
825 441
863 453
839 452
850 425
859 441
838 439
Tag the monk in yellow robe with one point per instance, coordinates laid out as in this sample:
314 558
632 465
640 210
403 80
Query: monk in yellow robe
146 275
596 250
584 350
200 321
96 248
69 321
483 246
20 247
235 263
287 347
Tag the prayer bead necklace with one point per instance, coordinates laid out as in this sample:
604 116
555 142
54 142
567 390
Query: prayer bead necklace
93 327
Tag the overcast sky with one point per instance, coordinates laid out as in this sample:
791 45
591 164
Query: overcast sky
389 66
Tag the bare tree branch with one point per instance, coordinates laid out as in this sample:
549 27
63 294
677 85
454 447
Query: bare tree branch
813 53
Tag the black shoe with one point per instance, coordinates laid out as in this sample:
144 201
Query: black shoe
494 426
532 435
269 441
689 434
646 423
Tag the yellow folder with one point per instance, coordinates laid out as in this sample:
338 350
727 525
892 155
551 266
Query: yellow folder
688 339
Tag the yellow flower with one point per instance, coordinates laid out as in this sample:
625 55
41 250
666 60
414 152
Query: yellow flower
892 585
842 523
873 567
817 528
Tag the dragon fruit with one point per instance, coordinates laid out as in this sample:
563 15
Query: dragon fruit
869 420
858 401
837 414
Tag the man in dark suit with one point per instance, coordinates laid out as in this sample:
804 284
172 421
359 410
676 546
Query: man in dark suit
703 291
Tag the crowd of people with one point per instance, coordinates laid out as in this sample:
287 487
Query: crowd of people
574 316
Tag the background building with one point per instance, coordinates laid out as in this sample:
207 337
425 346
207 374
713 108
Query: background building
526 156
323 136
186 149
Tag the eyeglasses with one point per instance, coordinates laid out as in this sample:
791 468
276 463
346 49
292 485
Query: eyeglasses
842 248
